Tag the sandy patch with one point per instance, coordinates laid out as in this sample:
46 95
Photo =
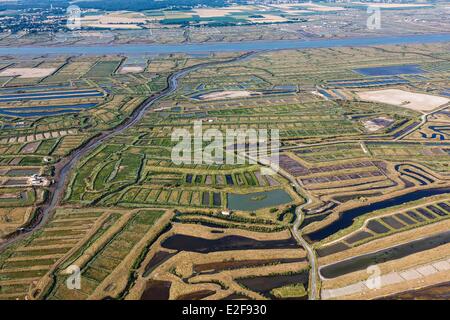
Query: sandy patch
227 95
131 69
401 98
30 148
13 218
27 72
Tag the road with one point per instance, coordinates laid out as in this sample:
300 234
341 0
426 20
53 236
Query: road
313 286
64 167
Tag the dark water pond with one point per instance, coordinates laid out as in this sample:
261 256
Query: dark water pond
23 172
265 284
194 48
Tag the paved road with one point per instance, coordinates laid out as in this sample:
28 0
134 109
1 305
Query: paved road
66 165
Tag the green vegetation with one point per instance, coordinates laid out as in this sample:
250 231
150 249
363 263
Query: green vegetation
290 291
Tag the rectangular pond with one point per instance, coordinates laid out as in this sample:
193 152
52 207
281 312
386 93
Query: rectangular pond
390 70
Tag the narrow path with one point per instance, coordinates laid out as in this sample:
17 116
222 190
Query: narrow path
313 292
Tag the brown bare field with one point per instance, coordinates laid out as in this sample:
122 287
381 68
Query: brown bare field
399 190
27 72
401 98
